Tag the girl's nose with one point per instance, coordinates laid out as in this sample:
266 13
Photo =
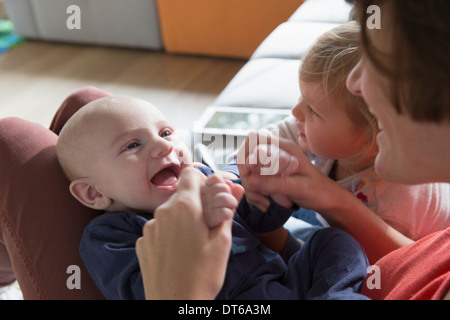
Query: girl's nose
354 80
298 111
161 148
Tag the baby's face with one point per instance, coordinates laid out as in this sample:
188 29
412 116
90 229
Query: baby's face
136 156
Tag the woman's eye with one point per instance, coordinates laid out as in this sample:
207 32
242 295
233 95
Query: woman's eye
132 146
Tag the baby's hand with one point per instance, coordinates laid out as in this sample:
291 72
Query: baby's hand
220 198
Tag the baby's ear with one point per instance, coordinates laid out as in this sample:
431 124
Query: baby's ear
85 192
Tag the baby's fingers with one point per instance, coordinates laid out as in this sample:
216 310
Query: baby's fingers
219 208
236 190
224 200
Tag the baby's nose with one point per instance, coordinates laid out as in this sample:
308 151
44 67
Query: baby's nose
161 148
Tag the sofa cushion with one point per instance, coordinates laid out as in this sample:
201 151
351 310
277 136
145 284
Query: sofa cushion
291 40
263 83
337 11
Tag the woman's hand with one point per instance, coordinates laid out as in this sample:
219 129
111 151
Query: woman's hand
180 258
279 168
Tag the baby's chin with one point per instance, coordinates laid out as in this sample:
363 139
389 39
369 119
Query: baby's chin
163 195
157 198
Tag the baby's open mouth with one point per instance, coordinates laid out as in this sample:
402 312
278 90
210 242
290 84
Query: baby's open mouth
167 176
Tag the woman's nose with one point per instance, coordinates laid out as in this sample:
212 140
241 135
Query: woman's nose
161 148
353 82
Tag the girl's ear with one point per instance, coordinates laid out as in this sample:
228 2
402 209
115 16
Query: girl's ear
85 192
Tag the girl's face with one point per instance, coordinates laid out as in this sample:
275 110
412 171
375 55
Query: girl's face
409 151
323 125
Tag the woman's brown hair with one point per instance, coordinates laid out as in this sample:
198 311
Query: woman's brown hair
419 68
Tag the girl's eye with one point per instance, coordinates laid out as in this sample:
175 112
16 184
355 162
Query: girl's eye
132 145
166 133
311 110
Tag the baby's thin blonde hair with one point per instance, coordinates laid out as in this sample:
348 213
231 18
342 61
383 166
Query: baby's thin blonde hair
329 61
72 148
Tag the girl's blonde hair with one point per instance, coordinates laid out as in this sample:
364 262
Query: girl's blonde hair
329 61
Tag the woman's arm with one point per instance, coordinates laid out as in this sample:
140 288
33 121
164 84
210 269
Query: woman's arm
376 236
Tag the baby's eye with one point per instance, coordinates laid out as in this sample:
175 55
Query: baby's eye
132 146
166 133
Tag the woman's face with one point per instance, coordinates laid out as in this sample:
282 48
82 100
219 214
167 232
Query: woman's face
409 151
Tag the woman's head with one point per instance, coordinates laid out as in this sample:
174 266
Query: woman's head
403 76
323 75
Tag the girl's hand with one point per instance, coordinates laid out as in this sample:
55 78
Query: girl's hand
296 179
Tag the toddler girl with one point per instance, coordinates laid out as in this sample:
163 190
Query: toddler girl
336 130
